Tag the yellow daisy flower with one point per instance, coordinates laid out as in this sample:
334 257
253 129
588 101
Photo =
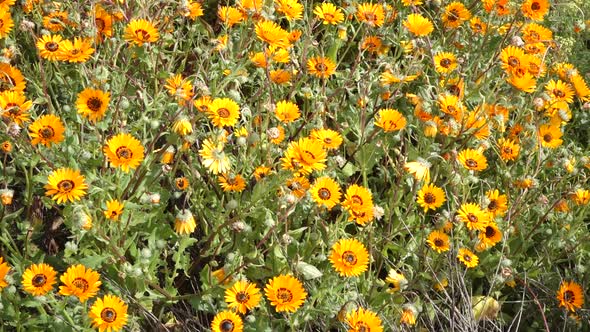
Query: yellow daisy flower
234 183
108 313
6 23
124 151
445 62
535 9
79 50
509 149
227 321
430 197
329 13
498 204
370 13
65 184
321 67
550 136
363 320
184 223
292 9
213 157
473 159
287 111
325 191
438 241
224 112
285 293
390 120
114 210
4 269
80 281
455 14
93 104
418 25
140 31
272 33
15 106
242 296
570 295
473 216
468 258
38 279
330 139
49 47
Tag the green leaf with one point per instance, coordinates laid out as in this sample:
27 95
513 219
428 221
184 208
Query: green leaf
308 271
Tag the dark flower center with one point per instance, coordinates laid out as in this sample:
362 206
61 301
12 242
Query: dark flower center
223 112
226 325
324 193
349 258
65 186
81 284
242 297
124 152
94 104
547 138
558 93
490 232
471 163
439 242
429 198
356 199
513 61
51 46
446 63
284 295
569 296
109 315
142 34
321 67
467 258
535 6
471 217
100 24
39 280
47 132
493 205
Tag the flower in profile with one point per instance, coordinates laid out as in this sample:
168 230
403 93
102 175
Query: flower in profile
108 313
397 281
390 120
79 50
287 111
93 104
418 25
182 127
468 258
15 106
227 321
6 196
114 210
298 185
180 88
213 157
181 183
509 149
524 82
38 279
473 216
535 9
6 23
11 78
140 31
80 281
194 10
363 320
321 67
329 13
490 235
4 269
230 182
230 16
420 169
184 223
242 296
570 295
124 151
580 86
455 14
498 204
49 47
47 129
408 316
430 197
285 293
473 160
438 241
451 105
582 197
330 139
224 112
65 184
292 9
279 76
272 33
445 62
550 136
371 14
349 257
103 22
325 191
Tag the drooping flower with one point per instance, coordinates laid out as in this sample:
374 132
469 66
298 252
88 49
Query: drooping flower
65 184
38 279
285 293
570 295
582 196
468 258
430 197
6 23
179 88
4 269
242 296
227 321
184 223
349 257
397 281
363 320
80 281
408 316
93 104
438 241
11 78
140 31
108 313
420 169
124 151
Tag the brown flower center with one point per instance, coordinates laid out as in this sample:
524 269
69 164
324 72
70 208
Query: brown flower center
490 232
558 93
100 24
242 297
429 198
467 258
142 34
226 325
39 280
362 327
535 6
124 152
81 284
472 217
471 163
513 61
493 205
439 243
321 67
446 63
94 104
47 132
65 186
569 296
349 258
109 315
356 199
547 138
284 295
324 193
51 46
223 112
